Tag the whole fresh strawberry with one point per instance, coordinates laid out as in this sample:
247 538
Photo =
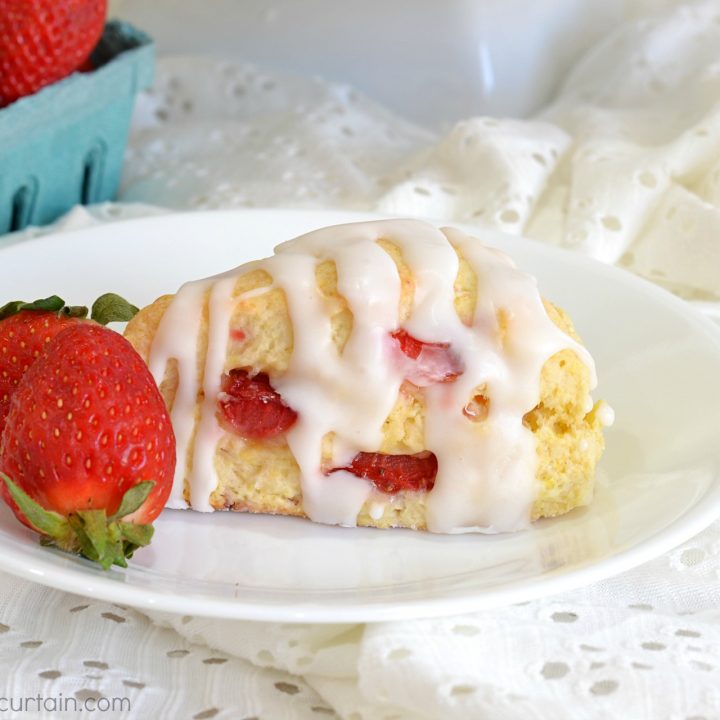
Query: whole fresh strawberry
26 330
87 454
43 41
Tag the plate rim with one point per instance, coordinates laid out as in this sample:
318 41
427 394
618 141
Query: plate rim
50 570
566 255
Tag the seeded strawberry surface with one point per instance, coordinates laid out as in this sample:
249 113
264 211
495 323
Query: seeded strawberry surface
43 41
24 337
86 423
252 407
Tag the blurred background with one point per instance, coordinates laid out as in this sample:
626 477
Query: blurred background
589 124
432 62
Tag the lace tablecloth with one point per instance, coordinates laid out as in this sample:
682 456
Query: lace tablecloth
623 166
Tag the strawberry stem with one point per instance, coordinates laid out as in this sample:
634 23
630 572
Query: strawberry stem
105 540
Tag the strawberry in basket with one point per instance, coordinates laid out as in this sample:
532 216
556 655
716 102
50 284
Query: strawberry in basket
44 41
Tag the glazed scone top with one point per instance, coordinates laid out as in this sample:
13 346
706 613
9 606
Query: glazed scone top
486 470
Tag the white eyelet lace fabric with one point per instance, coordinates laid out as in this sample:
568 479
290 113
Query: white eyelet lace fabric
643 645
623 166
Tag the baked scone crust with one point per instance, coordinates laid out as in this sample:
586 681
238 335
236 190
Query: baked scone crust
263 477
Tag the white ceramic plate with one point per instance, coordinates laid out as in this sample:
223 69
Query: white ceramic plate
658 363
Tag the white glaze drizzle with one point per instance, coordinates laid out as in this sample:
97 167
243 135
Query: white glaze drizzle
177 338
349 394
497 463
203 477
486 476
376 510
605 414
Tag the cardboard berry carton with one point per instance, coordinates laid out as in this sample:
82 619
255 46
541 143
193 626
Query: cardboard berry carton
65 144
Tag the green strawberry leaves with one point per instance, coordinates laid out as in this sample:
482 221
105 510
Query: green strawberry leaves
52 304
112 308
106 309
91 533
133 499
107 542
44 521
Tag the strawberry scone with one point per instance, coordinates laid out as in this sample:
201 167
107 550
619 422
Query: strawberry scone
386 374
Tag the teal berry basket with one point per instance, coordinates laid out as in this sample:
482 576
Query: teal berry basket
65 144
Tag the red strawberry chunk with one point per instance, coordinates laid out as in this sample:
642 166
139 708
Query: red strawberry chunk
393 473
427 363
252 407
408 344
